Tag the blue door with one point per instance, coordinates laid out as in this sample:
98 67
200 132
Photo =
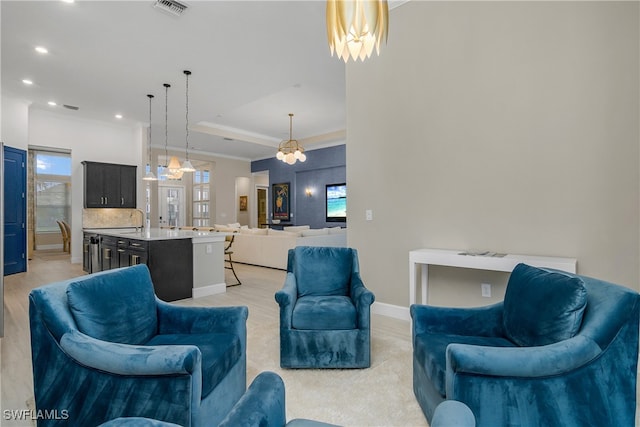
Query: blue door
15 211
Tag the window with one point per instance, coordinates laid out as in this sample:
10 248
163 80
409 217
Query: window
201 198
52 190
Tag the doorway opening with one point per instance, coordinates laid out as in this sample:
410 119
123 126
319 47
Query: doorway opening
261 197
49 202
172 206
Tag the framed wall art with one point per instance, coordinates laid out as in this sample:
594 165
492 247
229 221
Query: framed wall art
281 202
243 203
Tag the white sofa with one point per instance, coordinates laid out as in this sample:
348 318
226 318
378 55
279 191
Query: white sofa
269 248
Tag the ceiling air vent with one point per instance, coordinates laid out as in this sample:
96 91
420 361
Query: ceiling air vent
71 107
171 6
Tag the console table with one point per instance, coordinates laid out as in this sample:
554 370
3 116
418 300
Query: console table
422 258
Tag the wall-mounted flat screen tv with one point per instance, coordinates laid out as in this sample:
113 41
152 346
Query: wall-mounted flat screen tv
336 202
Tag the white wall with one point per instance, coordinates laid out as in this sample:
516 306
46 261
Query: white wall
503 126
87 140
226 173
15 122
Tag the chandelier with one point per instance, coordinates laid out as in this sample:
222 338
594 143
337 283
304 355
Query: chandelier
290 151
354 27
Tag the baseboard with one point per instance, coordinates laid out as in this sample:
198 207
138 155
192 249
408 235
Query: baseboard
394 311
203 291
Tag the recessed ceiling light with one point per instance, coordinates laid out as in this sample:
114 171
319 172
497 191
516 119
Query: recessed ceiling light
68 1
53 104
27 81
41 49
118 116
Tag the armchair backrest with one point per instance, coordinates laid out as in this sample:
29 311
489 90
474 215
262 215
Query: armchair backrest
543 306
609 308
115 305
322 270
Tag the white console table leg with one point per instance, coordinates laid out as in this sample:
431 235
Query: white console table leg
424 282
423 277
412 282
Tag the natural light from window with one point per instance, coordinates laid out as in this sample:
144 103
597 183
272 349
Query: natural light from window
52 190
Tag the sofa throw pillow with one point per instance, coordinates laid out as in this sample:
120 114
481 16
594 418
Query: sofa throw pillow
542 306
273 232
296 228
315 232
323 270
116 305
337 230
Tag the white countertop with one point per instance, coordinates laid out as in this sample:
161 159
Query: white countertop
159 234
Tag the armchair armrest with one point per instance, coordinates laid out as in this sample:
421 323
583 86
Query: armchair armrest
289 292
520 362
478 321
451 413
175 319
362 298
262 404
125 359
286 299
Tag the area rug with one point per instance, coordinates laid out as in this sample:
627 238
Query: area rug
348 397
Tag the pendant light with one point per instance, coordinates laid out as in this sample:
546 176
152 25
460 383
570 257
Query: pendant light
355 27
172 169
149 176
291 151
186 165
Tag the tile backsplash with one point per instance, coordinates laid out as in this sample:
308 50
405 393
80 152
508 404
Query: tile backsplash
112 218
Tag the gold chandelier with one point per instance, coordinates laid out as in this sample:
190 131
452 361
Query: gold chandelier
354 27
290 151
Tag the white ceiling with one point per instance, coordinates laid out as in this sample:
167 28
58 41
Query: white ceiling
253 62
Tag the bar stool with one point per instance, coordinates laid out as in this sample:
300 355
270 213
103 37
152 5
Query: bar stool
228 252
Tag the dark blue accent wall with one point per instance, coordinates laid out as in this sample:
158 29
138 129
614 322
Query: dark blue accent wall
323 166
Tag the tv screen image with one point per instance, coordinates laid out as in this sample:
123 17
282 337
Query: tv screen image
336 202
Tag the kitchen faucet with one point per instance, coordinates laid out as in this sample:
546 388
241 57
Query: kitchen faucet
142 219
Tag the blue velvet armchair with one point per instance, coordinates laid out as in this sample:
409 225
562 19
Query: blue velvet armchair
104 346
560 350
324 310
263 405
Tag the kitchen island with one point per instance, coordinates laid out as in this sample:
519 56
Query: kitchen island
183 263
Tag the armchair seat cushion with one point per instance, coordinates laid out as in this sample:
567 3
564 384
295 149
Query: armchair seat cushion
324 313
432 349
220 352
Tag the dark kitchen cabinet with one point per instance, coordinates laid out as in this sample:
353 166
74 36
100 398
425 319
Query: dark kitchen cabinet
109 253
132 252
108 185
127 186
171 266
170 262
